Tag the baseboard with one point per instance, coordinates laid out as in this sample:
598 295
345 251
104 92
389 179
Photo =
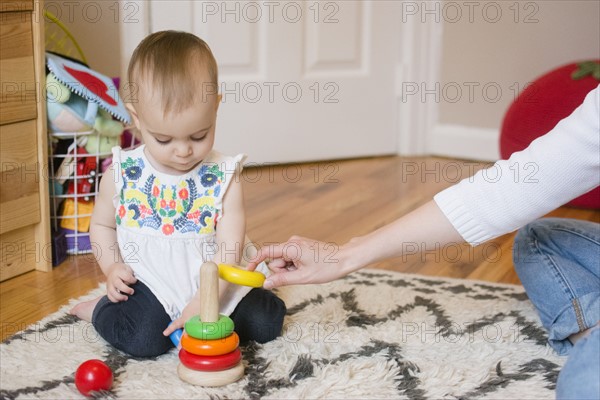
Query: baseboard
466 142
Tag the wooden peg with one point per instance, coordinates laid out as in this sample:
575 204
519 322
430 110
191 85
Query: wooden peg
209 292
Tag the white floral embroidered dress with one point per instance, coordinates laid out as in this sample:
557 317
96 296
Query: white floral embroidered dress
166 224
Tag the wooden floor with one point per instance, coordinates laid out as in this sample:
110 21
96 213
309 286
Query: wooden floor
332 201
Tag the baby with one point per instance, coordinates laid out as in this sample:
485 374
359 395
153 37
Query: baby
169 205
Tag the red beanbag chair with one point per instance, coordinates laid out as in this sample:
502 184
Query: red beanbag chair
542 105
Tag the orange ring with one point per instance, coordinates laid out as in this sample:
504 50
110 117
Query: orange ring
214 347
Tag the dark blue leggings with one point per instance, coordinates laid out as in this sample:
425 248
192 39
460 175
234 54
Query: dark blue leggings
135 326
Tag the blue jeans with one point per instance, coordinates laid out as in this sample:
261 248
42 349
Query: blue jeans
558 262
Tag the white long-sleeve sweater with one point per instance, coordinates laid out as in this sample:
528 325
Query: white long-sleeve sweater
554 169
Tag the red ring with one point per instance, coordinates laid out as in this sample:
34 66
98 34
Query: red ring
210 363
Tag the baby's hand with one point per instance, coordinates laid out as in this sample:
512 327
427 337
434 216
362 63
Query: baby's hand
175 336
118 279
193 308
174 326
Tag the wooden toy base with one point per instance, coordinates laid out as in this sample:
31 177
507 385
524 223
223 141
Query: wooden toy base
216 378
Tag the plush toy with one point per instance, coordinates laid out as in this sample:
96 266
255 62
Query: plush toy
80 99
67 111
86 118
109 134
89 84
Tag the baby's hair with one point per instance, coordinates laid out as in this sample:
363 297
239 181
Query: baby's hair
170 60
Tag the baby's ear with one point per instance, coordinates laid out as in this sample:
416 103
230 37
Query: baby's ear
219 97
133 114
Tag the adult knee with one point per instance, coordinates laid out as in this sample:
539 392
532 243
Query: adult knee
527 241
536 230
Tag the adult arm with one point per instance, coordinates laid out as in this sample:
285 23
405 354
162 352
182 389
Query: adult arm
301 260
552 170
565 164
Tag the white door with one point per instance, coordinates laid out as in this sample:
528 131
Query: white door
301 80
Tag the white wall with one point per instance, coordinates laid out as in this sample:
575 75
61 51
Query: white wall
479 47
504 51
95 26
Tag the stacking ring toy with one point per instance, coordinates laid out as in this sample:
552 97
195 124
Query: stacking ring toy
210 347
211 378
210 363
209 330
240 276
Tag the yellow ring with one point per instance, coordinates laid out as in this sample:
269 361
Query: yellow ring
240 276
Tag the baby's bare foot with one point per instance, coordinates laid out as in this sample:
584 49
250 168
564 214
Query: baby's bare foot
85 309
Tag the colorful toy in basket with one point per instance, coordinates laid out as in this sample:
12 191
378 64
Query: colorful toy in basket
73 107
91 90
86 118
76 215
109 135
70 113
85 174
210 353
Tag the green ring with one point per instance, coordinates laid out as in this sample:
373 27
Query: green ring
209 330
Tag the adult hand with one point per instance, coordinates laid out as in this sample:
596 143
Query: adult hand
118 279
301 261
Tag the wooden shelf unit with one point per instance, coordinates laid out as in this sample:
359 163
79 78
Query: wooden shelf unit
25 242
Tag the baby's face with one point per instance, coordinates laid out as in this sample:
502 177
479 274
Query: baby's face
177 142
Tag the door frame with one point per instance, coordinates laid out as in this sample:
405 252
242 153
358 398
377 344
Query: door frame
419 66
419 58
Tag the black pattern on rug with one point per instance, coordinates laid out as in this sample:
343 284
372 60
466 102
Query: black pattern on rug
266 375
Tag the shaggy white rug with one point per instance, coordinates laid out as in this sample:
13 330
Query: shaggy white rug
374 334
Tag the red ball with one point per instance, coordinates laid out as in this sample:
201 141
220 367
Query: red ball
93 376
